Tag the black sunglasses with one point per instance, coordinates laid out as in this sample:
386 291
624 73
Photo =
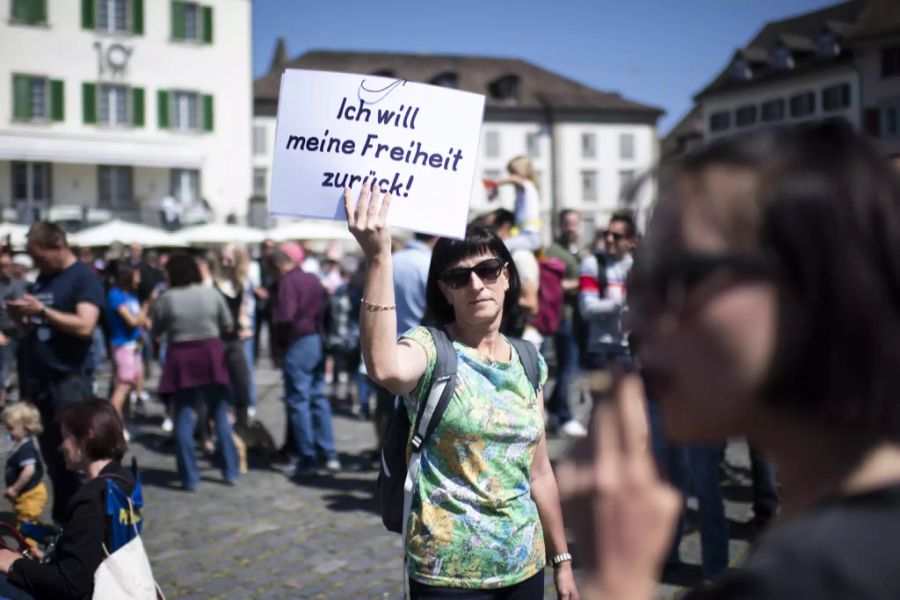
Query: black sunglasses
487 271
615 235
666 285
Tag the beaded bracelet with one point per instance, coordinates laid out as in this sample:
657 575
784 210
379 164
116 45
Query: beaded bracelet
372 307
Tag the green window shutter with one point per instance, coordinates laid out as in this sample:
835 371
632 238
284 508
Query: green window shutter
89 102
208 120
178 25
137 106
87 14
208 24
20 10
137 17
37 12
21 97
162 108
57 100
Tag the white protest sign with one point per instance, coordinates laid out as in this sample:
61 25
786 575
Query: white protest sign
418 142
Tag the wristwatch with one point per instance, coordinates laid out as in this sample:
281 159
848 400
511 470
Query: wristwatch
560 559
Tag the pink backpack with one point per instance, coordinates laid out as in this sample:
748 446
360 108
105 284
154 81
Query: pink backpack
550 296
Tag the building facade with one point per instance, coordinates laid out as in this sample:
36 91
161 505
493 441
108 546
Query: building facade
842 61
122 108
589 148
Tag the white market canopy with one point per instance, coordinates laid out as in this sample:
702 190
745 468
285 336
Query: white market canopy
126 233
309 230
220 233
15 232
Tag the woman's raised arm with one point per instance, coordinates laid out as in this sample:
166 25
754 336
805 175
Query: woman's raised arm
395 366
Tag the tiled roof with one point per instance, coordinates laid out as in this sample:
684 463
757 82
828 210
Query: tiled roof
879 18
799 34
538 88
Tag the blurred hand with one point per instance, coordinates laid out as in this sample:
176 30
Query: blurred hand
10 493
614 497
565 582
7 558
367 221
27 305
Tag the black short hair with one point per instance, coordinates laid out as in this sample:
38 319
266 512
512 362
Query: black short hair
47 235
827 214
447 252
501 217
627 217
97 425
182 270
561 215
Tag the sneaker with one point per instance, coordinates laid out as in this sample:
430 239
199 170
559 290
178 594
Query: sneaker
167 425
573 429
303 470
333 465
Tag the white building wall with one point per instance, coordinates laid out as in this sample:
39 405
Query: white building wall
879 92
63 50
785 89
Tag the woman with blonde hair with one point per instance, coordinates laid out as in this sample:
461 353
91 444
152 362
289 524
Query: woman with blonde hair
230 279
522 176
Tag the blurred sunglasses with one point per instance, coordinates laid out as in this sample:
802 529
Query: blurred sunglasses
614 234
487 271
666 286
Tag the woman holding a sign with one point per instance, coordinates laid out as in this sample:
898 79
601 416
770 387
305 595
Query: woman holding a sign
485 511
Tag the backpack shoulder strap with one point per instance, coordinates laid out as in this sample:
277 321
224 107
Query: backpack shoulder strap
529 357
443 382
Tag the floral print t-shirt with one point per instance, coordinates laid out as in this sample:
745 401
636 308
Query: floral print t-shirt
473 523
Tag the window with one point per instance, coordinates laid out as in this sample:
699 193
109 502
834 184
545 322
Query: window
745 116
803 104
114 105
192 22
448 79
589 186
259 182
185 111
31 12
37 99
491 144
836 97
533 144
740 69
890 121
626 186
626 146
112 15
588 145
782 58
259 140
30 181
719 121
115 187
773 110
827 45
890 61
186 186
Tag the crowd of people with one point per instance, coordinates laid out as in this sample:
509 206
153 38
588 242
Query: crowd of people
762 302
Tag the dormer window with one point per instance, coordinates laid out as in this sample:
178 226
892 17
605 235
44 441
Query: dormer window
384 73
505 88
448 79
740 69
827 45
782 58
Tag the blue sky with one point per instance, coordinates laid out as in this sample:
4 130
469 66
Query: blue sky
656 51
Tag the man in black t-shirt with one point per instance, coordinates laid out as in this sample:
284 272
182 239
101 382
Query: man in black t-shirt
60 313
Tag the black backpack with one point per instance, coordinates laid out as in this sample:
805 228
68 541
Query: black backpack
396 479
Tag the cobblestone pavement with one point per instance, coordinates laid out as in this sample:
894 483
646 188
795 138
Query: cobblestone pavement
270 537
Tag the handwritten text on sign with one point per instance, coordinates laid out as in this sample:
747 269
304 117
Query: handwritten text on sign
416 141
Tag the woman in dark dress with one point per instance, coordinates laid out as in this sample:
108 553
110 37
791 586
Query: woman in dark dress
766 303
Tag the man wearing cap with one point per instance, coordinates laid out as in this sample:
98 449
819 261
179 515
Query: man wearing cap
296 325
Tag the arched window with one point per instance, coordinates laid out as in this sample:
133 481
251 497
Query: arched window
505 88
447 79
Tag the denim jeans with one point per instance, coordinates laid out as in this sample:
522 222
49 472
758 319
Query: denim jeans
10 592
566 347
694 469
765 486
216 399
251 364
304 394
50 395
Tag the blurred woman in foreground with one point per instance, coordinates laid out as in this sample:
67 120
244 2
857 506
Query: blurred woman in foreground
767 303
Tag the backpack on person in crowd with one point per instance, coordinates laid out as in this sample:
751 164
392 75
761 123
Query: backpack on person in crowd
550 296
396 478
